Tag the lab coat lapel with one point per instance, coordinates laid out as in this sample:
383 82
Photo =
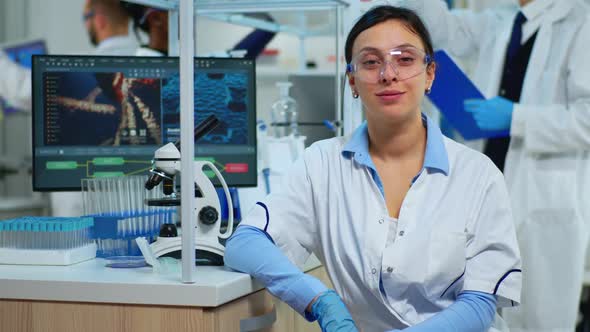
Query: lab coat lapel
497 59
538 62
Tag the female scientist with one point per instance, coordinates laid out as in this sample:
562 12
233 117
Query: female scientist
415 230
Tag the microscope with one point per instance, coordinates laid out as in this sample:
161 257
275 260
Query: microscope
166 165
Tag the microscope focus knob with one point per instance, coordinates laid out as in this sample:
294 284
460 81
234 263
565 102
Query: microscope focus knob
168 230
208 215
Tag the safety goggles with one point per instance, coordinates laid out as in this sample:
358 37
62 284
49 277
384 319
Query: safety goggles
88 15
371 65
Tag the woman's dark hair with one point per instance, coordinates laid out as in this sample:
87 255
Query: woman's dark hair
382 14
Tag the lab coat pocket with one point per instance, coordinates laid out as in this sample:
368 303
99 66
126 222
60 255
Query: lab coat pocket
549 80
446 264
552 185
552 246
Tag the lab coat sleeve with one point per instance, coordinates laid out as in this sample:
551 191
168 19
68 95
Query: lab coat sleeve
492 255
457 31
563 127
472 311
15 83
288 214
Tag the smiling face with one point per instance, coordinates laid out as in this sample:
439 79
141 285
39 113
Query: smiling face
393 96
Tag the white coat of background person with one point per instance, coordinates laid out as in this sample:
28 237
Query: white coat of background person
107 24
548 162
15 83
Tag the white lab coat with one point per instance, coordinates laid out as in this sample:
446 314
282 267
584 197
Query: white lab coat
394 273
69 204
146 51
15 83
117 45
548 163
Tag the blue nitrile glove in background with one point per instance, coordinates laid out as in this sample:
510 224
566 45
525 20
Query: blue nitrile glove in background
332 314
491 114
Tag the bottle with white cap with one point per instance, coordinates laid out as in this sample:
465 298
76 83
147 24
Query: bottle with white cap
284 113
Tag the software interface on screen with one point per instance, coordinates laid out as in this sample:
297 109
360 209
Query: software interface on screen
105 116
22 53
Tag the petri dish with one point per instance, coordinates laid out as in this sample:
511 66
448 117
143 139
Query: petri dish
125 262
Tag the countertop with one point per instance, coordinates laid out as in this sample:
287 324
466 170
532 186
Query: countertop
19 203
91 281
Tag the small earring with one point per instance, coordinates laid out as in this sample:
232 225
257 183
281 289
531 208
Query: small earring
355 95
428 90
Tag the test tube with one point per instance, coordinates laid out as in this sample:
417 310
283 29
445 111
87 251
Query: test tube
100 196
141 196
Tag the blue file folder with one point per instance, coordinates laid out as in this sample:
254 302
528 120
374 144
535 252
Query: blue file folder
451 87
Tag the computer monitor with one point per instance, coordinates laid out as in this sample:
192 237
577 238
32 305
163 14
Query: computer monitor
97 116
21 53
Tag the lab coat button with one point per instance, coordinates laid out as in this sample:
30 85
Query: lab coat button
374 271
390 269
381 221
401 233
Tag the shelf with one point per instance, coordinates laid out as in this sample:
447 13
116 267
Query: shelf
244 6
231 11
269 72
243 20
162 4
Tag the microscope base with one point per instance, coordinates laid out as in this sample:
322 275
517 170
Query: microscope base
208 252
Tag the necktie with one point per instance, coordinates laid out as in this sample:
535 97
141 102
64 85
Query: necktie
496 148
516 36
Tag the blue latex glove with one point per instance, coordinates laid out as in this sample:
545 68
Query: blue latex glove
332 314
491 114
472 311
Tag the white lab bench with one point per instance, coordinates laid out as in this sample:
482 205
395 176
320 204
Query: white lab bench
89 297
12 207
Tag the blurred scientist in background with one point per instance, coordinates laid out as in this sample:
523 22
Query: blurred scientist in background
532 64
153 22
107 24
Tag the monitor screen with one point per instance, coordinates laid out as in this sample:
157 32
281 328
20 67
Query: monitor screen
21 53
105 116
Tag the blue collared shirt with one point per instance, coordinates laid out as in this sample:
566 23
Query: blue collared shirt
435 158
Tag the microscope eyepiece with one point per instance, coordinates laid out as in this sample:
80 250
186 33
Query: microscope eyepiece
158 175
203 128
153 181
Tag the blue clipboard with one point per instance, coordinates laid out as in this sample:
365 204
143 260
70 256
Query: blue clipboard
451 87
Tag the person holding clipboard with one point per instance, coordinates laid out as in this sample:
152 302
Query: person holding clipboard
532 67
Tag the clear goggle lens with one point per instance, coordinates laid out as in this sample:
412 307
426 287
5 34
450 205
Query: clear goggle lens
406 62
